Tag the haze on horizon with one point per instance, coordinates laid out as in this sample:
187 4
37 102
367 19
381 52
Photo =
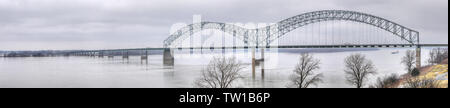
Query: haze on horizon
110 24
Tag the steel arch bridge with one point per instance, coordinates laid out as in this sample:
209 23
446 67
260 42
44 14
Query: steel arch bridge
254 38
266 35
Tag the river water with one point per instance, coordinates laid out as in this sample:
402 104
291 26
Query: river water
119 73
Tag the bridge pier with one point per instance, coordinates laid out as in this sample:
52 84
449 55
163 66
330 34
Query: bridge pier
110 54
91 54
259 62
101 54
246 49
253 63
223 50
125 55
262 63
145 57
418 56
168 58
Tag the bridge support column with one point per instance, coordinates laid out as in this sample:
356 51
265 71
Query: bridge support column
262 63
110 55
418 57
223 50
100 54
253 63
168 59
145 57
125 55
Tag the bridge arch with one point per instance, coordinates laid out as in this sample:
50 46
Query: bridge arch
235 31
268 34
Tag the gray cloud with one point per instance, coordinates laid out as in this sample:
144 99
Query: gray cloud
96 24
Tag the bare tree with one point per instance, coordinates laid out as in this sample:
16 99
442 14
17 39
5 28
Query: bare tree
416 82
357 69
437 55
409 60
220 73
304 75
386 82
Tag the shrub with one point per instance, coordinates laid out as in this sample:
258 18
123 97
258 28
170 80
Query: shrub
386 82
415 72
421 83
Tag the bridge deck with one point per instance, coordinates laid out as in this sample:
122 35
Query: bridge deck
287 46
327 46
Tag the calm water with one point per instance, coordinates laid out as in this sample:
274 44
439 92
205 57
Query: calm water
116 72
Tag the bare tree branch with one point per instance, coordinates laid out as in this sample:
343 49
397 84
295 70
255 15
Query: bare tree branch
437 55
220 73
386 82
304 75
416 82
357 69
409 60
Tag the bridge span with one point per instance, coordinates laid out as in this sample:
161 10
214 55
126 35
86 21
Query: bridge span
318 29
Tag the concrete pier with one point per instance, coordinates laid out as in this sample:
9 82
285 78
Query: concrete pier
257 62
418 57
110 54
262 63
100 54
91 54
145 56
168 58
125 55
253 63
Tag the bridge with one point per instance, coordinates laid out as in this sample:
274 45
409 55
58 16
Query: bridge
318 29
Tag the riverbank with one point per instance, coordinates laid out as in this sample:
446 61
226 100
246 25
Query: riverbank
438 72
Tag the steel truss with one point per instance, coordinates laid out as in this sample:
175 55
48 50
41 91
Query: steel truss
266 35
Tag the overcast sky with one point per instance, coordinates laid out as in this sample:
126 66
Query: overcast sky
98 24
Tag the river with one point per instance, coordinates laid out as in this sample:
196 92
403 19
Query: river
94 72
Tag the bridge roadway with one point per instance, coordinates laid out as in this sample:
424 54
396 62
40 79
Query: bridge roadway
282 46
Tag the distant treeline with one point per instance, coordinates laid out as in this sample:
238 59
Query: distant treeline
30 53
50 53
